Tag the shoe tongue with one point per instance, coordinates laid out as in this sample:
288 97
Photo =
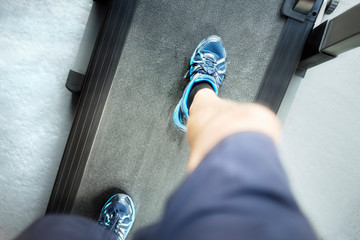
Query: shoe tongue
206 55
209 55
209 60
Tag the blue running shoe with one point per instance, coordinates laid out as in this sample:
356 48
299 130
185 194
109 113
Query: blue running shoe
118 215
207 64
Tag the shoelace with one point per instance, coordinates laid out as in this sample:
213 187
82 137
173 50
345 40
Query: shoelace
207 65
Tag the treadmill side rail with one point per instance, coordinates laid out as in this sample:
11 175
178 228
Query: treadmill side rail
287 54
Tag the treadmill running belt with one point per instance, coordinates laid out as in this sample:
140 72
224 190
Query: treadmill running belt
136 148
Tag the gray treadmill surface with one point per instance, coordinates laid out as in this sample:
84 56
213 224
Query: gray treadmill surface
137 149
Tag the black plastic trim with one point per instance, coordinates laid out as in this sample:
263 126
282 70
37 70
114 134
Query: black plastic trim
99 76
75 81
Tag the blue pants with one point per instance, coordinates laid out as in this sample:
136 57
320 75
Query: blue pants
239 191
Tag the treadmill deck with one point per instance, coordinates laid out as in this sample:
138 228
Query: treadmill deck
136 148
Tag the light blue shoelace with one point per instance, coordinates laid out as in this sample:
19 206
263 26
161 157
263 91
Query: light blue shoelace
207 65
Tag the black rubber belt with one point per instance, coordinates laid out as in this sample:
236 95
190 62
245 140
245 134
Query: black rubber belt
287 55
98 79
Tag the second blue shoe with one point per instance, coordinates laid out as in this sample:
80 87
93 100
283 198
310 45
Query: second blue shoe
118 215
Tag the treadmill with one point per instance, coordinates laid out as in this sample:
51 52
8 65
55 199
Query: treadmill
129 76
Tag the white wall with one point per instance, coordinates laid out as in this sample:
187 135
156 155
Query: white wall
320 145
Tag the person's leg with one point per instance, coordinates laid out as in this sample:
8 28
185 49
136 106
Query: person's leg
212 119
236 187
57 227
114 223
